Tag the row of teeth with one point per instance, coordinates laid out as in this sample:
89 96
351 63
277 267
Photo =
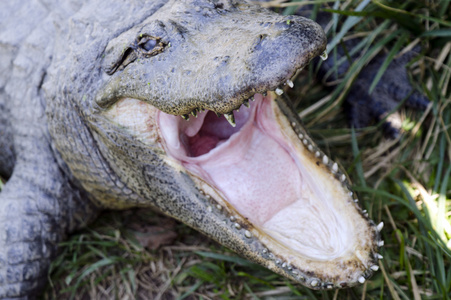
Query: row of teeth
230 116
333 166
314 282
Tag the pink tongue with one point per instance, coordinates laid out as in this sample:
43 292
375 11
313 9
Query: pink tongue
252 173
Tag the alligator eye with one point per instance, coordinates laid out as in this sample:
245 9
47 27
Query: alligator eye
149 45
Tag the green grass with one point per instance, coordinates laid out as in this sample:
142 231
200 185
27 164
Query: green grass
405 183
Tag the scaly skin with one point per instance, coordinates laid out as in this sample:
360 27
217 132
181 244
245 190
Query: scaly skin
70 63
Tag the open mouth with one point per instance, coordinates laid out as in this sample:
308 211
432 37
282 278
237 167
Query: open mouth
256 168
267 174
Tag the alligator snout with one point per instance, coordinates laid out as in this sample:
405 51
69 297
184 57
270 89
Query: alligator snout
216 63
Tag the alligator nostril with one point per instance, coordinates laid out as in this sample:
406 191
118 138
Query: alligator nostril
258 43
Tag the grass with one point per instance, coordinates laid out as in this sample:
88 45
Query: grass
404 182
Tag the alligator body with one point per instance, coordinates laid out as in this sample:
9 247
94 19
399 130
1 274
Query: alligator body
114 105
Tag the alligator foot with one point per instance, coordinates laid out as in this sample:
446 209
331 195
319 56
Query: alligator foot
393 88
38 207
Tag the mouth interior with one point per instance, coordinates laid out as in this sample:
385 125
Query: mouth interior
265 174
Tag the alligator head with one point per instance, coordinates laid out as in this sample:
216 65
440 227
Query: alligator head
189 119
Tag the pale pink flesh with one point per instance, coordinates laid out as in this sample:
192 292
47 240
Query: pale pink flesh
257 170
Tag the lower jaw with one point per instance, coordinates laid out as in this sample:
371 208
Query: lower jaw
315 234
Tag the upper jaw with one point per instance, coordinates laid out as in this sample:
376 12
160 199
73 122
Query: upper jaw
192 74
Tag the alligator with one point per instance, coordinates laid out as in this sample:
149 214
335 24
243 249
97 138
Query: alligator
177 106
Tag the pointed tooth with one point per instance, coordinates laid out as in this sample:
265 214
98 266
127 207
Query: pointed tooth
194 112
246 103
230 118
279 91
324 55
218 114
361 279
335 168
380 243
380 226
374 268
290 83
185 117
379 256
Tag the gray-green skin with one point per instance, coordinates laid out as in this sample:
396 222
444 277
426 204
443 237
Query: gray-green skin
64 160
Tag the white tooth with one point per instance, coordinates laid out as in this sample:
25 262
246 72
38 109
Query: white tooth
279 91
380 226
290 83
314 283
342 177
324 55
361 279
374 268
230 118
380 243
310 148
317 154
335 168
379 256
325 160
